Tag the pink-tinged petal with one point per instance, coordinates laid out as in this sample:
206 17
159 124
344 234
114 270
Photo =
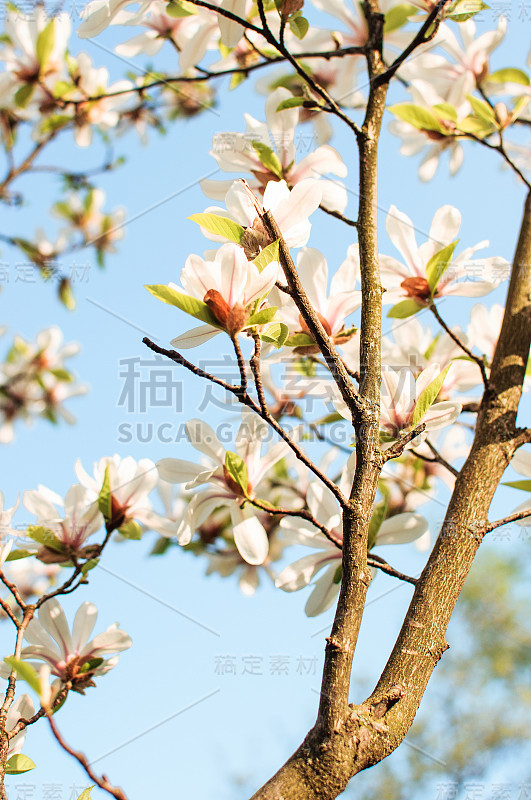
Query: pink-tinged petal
174 470
299 574
323 505
324 593
348 274
37 502
113 640
259 284
402 234
401 529
204 439
392 273
425 378
521 462
53 620
197 277
234 266
273 455
231 32
249 536
313 272
156 522
304 199
282 125
445 226
194 337
323 160
240 204
441 414
83 626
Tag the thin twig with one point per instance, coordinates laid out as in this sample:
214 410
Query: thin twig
506 520
302 514
380 563
478 359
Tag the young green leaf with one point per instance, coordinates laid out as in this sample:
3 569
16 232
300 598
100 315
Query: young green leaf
438 264
428 397
220 226
291 102
131 530
404 309
104 497
44 536
524 485
85 794
299 26
299 340
190 305
276 334
510 75
263 316
25 672
18 764
482 110
421 118
237 469
377 517
397 16
45 43
268 254
269 158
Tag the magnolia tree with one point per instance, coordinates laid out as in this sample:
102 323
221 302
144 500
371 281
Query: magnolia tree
428 405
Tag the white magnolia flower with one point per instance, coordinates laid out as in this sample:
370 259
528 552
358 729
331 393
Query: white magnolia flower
70 655
235 152
22 708
222 489
130 484
290 209
464 276
6 532
81 519
230 285
332 307
400 529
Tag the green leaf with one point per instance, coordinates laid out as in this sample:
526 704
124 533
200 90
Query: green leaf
18 764
269 158
25 672
92 663
62 375
196 308
15 555
438 264
45 43
524 485
462 10
428 397
446 111
482 110
23 95
88 565
180 8
291 102
237 79
300 340
404 309
421 118
263 316
45 536
299 26
335 416
276 334
474 125
237 469
268 254
510 75
131 530
397 16
85 794
104 497
377 517
220 226
338 574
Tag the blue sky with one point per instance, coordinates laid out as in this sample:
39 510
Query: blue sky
172 716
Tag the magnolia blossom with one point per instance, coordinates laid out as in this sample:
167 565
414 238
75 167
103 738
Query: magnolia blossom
223 489
521 462
235 152
71 657
22 708
130 484
82 518
409 280
416 347
290 208
231 287
332 307
6 515
192 35
399 529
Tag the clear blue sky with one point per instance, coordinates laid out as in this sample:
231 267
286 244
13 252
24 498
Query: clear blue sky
166 719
